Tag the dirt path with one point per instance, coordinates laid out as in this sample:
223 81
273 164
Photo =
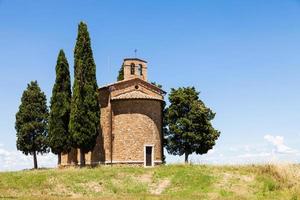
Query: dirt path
154 188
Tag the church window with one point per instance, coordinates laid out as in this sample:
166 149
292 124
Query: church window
132 69
141 69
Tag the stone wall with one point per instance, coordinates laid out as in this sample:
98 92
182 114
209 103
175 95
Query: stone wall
136 123
137 62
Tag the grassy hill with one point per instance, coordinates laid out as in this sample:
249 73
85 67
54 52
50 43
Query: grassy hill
166 182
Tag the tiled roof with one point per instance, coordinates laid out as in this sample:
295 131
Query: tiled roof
133 80
135 95
125 59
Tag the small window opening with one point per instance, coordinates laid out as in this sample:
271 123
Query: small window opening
132 69
141 70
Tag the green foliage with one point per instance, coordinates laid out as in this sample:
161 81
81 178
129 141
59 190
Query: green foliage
121 74
189 124
84 118
31 121
59 137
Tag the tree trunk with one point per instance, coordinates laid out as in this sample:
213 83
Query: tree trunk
35 160
186 158
58 158
82 158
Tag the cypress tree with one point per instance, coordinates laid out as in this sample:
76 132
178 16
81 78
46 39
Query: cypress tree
121 74
31 122
85 112
59 137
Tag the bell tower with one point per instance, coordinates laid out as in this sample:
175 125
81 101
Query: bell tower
135 68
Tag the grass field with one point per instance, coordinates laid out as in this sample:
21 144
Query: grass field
165 182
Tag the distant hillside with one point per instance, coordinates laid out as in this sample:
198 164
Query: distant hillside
166 182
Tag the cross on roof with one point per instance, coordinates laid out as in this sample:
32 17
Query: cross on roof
135 51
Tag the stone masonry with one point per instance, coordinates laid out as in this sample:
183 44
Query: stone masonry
131 121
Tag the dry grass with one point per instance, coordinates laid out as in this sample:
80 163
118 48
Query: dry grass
280 181
287 175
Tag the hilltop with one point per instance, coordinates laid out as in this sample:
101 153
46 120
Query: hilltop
165 182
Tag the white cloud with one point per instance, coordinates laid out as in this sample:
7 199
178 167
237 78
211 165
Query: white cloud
11 160
254 155
233 149
4 153
278 143
246 147
257 153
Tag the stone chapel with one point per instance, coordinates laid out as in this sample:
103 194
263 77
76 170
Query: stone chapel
131 121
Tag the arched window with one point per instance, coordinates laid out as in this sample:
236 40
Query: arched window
132 66
141 69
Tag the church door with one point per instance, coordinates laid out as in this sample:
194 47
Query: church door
148 156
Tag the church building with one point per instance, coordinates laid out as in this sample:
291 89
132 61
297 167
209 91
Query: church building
131 121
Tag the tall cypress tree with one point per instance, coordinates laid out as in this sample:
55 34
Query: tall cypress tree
31 122
59 137
121 74
85 112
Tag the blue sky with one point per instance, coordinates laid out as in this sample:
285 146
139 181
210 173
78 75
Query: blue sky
244 57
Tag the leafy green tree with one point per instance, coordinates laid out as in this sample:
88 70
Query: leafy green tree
85 111
189 124
58 136
31 122
121 74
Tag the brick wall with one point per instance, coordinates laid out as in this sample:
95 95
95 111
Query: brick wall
136 123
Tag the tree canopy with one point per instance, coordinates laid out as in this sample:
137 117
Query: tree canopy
189 124
31 122
58 137
85 112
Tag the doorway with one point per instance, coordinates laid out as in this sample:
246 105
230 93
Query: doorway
148 156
